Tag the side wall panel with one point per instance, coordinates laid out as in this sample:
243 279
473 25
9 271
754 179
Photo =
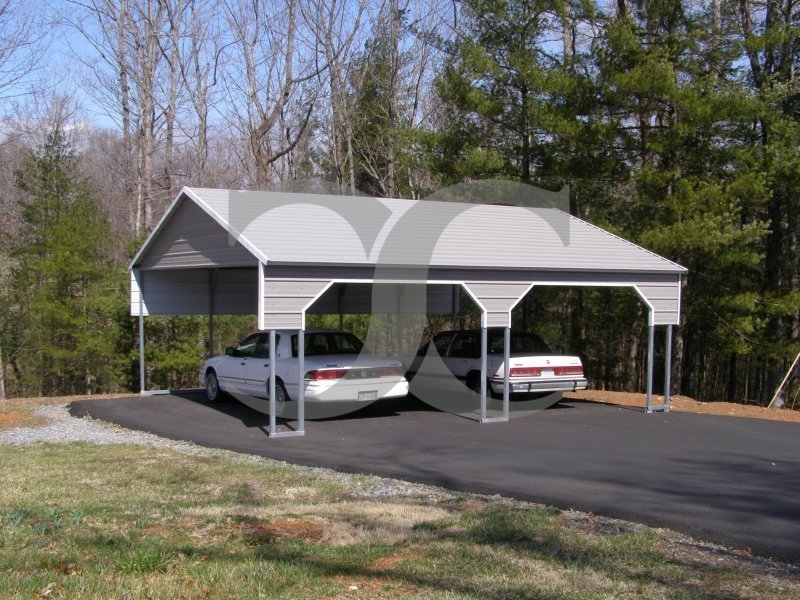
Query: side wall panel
186 292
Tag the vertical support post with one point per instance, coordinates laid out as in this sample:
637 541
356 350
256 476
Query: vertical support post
667 367
142 385
211 273
650 342
272 420
484 338
341 306
301 393
454 308
506 370
398 334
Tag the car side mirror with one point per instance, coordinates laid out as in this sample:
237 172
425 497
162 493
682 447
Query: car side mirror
229 351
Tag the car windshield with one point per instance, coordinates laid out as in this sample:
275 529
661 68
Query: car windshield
329 342
522 343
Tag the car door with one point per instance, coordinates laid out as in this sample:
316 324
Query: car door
230 370
427 368
255 367
464 354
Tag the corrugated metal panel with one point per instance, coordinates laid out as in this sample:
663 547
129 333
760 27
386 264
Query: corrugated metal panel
356 298
286 299
665 300
174 292
318 229
190 239
498 299
186 292
137 299
344 237
236 291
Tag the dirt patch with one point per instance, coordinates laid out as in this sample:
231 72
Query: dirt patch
15 419
288 529
686 404
378 578
20 412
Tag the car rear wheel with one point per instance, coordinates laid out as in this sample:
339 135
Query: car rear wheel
213 393
474 384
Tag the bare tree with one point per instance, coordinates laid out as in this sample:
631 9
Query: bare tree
22 43
199 68
335 25
276 68
125 36
395 96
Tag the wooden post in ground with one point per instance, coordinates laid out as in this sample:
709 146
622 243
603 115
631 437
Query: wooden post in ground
784 382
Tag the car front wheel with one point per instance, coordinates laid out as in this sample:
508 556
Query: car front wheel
213 393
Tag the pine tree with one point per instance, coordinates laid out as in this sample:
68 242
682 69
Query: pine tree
67 290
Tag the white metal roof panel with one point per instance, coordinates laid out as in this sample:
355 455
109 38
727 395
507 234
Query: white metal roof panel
343 230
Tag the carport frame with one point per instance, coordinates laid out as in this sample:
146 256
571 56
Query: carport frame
218 246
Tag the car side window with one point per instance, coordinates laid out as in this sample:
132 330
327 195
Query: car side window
247 347
465 346
316 344
254 346
441 342
262 346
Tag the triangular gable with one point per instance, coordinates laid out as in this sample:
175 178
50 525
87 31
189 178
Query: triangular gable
189 237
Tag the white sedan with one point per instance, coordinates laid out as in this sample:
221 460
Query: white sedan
337 368
534 367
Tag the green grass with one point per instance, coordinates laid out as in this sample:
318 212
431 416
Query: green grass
84 521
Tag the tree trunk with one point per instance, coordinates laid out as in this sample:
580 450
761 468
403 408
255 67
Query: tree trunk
732 376
2 375
394 68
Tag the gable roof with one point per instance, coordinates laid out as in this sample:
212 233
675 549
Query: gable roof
212 227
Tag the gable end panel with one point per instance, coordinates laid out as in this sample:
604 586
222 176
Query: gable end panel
193 239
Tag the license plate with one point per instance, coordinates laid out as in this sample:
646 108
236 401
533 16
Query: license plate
370 395
547 373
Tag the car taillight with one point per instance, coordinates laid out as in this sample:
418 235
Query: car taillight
320 374
390 372
525 372
574 370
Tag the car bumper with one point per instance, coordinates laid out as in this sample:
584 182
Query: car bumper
342 390
530 386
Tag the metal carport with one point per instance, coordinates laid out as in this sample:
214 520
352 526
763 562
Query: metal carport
276 254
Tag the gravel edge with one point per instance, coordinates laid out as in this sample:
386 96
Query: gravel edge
64 428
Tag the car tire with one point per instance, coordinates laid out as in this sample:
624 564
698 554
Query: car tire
213 393
281 397
474 382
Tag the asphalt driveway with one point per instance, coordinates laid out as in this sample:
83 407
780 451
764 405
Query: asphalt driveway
729 480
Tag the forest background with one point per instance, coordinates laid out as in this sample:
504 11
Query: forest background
675 124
